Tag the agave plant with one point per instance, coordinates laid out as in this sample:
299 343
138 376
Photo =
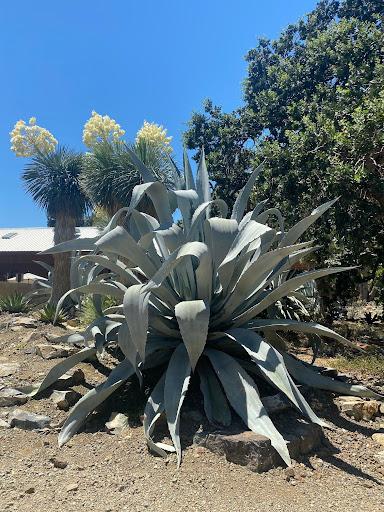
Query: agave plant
193 298
15 303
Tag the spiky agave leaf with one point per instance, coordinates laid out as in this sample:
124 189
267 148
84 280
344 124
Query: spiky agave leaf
195 298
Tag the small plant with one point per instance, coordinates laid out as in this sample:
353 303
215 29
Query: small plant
194 303
15 303
89 312
49 315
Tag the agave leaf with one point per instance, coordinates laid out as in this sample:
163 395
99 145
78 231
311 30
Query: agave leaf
193 319
243 396
145 173
219 236
253 214
136 300
120 242
77 244
271 364
128 347
215 403
263 217
177 379
298 229
93 399
189 180
242 198
117 267
153 410
199 216
158 194
58 370
202 180
283 290
298 326
310 377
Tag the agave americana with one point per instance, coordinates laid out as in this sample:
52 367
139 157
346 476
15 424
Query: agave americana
194 297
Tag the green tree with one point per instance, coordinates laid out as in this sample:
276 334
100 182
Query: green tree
314 105
52 179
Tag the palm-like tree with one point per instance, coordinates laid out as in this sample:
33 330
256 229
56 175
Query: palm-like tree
109 175
53 181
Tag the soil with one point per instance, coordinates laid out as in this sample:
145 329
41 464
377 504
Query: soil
101 472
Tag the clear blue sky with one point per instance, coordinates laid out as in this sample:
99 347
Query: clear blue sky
131 59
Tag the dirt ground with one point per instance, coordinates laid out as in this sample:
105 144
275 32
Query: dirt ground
115 473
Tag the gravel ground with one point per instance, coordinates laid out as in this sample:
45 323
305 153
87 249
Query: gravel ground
115 473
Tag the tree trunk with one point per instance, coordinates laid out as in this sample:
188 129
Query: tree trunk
65 229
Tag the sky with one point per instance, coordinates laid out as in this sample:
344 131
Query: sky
135 60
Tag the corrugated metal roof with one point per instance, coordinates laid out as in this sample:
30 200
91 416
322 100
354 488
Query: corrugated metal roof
34 239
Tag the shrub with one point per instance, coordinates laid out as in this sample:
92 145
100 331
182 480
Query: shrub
49 315
15 303
193 299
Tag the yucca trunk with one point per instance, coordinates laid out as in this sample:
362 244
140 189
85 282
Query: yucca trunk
65 229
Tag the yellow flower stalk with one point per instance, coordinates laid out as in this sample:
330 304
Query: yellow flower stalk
30 139
155 134
101 129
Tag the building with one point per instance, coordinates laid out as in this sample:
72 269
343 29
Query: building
20 247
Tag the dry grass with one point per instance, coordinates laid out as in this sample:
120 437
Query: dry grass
367 364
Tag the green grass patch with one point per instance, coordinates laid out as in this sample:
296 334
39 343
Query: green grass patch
366 364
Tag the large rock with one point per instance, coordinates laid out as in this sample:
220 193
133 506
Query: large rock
28 420
69 379
65 399
25 321
9 397
255 451
47 351
358 408
378 437
8 368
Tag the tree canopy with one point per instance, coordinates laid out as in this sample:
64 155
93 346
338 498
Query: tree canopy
314 110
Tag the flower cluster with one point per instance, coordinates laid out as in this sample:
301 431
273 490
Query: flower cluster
101 129
155 134
29 139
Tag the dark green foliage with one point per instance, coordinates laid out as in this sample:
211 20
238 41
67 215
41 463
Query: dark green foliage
15 303
314 109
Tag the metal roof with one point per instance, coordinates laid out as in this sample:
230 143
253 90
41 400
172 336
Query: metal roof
35 239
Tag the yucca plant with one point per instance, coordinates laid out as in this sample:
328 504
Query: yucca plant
14 303
194 299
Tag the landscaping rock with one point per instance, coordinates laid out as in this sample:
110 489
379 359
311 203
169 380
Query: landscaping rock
47 351
60 464
69 379
9 397
7 369
378 438
357 407
28 420
117 423
65 399
25 321
380 457
276 403
4 424
32 336
255 451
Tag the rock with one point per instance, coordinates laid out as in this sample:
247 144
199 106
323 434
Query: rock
60 464
7 369
25 321
29 490
255 451
65 399
117 423
31 336
378 438
9 397
289 474
28 420
69 379
381 408
380 457
4 424
73 322
357 407
72 487
276 403
47 351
